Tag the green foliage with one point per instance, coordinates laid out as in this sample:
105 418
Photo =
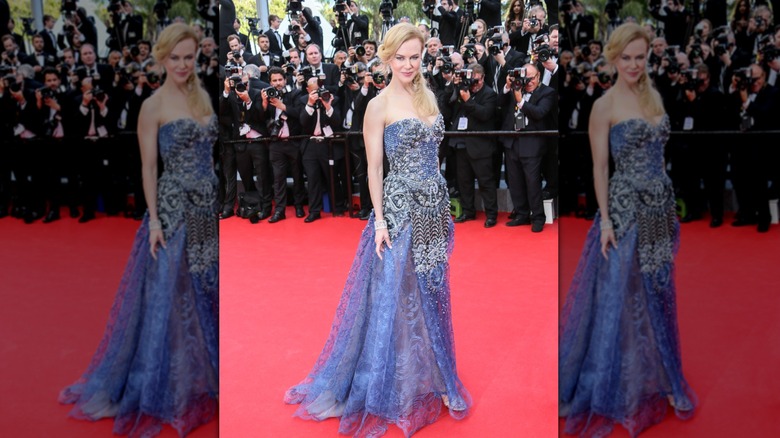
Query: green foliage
248 8
631 8
20 9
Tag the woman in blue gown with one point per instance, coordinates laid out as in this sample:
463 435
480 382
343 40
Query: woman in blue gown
158 360
390 356
619 350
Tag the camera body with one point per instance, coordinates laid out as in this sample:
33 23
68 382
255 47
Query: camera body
519 78
692 81
494 35
350 74
744 77
273 93
378 77
465 78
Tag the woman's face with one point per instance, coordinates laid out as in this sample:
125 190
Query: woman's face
480 28
180 63
631 63
405 64
516 6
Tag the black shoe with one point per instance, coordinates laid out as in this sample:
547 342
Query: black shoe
763 226
364 215
227 213
51 216
518 221
279 215
513 214
74 212
464 218
537 227
548 195
312 217
299 213
264 214
31 216
716 222
689 218
86 217
490 222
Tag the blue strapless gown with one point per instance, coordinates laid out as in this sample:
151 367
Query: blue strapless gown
158 360
390 356
619 351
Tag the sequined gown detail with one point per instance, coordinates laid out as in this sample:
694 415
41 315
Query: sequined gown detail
619 349
390 355
158 360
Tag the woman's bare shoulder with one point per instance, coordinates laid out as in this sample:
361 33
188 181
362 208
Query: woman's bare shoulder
376 110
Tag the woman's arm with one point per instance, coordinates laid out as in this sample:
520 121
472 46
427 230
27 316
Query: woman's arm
147 140
598 131
373 136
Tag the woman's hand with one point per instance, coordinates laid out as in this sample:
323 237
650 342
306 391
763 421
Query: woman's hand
382 236
156 238
607 237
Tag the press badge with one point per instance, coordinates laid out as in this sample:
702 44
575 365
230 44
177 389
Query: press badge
327 131
519 121
688 124
463 124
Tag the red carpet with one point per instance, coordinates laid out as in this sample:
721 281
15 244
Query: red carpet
57 283
280 284
728 303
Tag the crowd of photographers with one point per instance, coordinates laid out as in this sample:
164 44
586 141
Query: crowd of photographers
284 109
716 70
69 116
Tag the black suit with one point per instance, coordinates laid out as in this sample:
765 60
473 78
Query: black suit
315 153
357 28
106 81
49 41
490 11
449 26
474 154
313 28
285 155
524 155
276 47
512 58
332 76
522 43
227 15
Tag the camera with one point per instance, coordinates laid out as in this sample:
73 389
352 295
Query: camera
542 48
324 94
696 52
465 78
446 50
289 68
294 7
692 81
604 78
273 93
252 23
46 93
533 22
744 78
160 9
360 50
11 83
471 49
386 8
519 78
447 67
769 54
236 55
350 74
378 77
98 93
494 35
152 77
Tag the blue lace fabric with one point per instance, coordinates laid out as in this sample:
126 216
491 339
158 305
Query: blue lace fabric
619 350
390 355
158 360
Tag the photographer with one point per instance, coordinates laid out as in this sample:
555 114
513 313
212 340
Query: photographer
124 28
89 125
503 59
49 37
248 116
759 26
547 56
578 26
331 72
702 108
757 107
674 18
534 25
318 116
102 74
449 17
242 37
307 25
11 56
490 12
235 56
283 115
39 59
56 156
264 58
472 108
359 92
534 108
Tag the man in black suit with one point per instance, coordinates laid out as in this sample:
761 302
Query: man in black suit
449 20
532 107
472 108
57 156
285 155
264 58
49 37
126 28
102 73
227 14
89 125
549 77
39 59
277 46
499 64
534 25
245 105
331 71
5 15
357 25
311 26
318 116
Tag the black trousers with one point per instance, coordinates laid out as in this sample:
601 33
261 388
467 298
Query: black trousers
550 167
88 162
360 172
262 172
229 167
285 159
525 185
30 173
315 164
470 168
750 170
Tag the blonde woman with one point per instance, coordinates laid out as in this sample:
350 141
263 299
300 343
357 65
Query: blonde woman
158 360
390 356
619 352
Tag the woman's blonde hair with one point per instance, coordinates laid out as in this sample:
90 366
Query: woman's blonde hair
198 99
623 35
423 99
